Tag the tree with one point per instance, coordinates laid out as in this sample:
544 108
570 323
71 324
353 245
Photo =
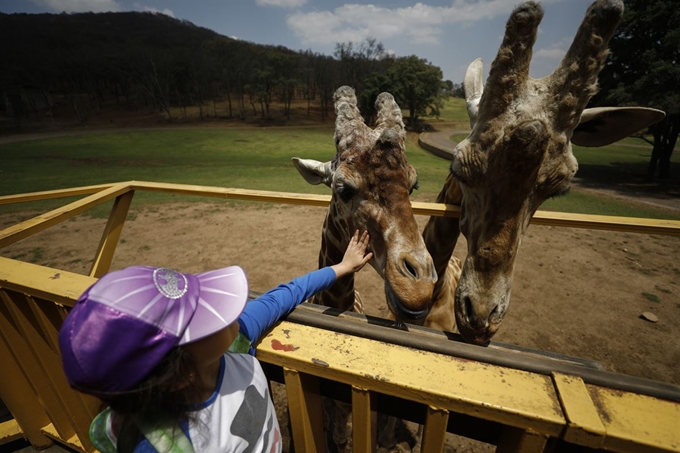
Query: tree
644 69
325 79
416 85
359 61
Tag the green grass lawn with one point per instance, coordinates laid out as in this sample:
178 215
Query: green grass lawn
258 158
249 159
254 158
453 111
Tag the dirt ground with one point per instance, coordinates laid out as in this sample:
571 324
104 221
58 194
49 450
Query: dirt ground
576 292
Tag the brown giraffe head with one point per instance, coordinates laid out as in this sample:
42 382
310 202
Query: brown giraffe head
371 181
518 153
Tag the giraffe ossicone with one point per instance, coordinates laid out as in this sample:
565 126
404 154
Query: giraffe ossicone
371 182
517 155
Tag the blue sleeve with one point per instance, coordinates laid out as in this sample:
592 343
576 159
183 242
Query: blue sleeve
261 313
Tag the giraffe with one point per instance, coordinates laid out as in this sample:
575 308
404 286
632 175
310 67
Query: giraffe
517 155
371 181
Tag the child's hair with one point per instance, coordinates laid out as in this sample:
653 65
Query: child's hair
161 398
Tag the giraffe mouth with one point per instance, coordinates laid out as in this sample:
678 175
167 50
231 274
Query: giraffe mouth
398 309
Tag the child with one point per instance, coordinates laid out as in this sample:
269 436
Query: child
158 347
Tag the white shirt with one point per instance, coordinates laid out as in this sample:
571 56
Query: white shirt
239 417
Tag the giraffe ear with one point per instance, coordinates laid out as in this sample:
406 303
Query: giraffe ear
313 171
474 88
605 125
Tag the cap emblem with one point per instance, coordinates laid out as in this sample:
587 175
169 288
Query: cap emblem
167 282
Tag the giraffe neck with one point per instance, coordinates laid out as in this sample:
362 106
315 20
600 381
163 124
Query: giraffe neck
334 241
441 235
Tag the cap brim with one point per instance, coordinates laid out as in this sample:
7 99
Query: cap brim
222 298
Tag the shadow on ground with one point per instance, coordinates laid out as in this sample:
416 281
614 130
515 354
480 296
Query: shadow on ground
630 180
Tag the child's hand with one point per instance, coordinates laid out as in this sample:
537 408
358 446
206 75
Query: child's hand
355 256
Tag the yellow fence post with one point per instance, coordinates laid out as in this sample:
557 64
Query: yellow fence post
69 415
18 395
517 440
434 432
111 235
305 410
364 421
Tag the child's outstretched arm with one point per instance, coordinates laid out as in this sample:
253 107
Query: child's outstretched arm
261 313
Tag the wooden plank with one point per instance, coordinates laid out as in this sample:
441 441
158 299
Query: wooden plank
51 194
434 432
39 223
111 235
636 422
49 317
571 220
37 403
364 421
10 431
504 395
549 218
19 396
42 282
622 224
64 405
610 223
50 331
72 442
234 194
584 426
516 440
305 409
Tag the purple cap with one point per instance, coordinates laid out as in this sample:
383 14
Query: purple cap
127 322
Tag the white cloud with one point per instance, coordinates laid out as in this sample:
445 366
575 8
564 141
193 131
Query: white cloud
282 3
80 6
166 11
555 51
421 23
553 54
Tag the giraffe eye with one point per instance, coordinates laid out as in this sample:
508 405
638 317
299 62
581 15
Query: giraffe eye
457 175
345 192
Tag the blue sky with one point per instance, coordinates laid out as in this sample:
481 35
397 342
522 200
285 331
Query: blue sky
448 33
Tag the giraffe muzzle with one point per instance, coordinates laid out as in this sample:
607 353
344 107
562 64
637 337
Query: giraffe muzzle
399 310
479 314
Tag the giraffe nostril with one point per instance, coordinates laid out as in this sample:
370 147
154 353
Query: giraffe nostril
410 269
468 307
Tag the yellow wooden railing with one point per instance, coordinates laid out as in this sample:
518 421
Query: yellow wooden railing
419 375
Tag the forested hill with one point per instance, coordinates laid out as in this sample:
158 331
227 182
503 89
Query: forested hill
111 33
77 64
